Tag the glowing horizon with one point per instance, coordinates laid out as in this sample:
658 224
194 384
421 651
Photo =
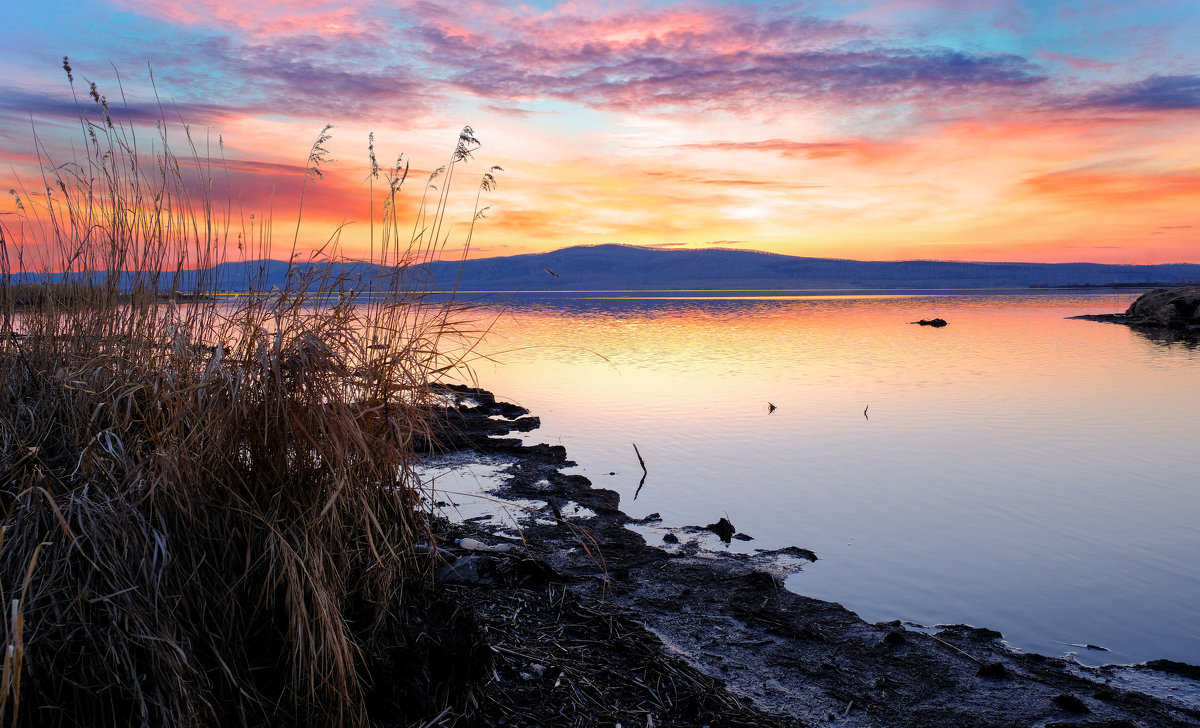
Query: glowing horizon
991 130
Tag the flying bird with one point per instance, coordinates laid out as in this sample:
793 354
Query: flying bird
771 408
551 272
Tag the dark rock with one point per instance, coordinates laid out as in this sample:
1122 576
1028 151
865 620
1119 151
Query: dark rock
1172 667
1173 312
743 537
723 528
670 538
937 323
1070 703
530 572
895 639
469 570
966 630
511 411
993 670
795 551
1165 306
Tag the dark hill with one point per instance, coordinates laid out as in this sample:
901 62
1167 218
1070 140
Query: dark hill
626 267
623 267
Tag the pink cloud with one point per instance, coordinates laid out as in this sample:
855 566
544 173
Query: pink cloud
277 17
1076 62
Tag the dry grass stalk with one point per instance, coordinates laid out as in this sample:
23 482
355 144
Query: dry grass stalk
210 509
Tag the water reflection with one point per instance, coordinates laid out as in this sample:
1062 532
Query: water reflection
1017 469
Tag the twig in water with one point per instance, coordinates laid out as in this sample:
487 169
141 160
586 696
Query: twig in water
639 488
644 473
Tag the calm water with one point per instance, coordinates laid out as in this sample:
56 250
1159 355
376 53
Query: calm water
1015 470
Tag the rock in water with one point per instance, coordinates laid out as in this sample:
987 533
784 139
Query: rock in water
723 528
937 323
1170 307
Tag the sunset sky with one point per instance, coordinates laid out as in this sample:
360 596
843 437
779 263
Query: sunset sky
1049 131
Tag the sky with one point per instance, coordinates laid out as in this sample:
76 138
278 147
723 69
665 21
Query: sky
1000 130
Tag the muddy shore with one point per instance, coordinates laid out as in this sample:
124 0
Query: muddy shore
588 624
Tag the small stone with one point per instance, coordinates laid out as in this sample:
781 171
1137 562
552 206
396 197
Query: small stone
670 538
743 537
895 639
993 670
1070 703
469 570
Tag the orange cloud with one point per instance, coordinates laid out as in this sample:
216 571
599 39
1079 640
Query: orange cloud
1104 189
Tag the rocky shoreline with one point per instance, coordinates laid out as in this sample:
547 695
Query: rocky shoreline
587 624
1164 314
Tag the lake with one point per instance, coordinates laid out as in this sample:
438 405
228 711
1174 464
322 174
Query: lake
1015 469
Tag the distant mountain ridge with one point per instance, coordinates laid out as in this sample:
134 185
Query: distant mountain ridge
628 267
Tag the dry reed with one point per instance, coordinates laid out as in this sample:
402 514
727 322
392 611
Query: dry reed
210 513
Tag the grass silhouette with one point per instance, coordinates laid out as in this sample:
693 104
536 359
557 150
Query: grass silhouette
210 509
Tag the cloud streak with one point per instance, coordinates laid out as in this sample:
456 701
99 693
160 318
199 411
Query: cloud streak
794 148
1156 93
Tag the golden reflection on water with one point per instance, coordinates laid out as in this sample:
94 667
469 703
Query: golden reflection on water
1003 454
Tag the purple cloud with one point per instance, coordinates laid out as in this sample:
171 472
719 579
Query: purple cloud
655 77
307 76
1155 93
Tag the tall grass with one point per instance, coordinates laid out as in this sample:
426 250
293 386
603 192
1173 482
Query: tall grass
210 512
